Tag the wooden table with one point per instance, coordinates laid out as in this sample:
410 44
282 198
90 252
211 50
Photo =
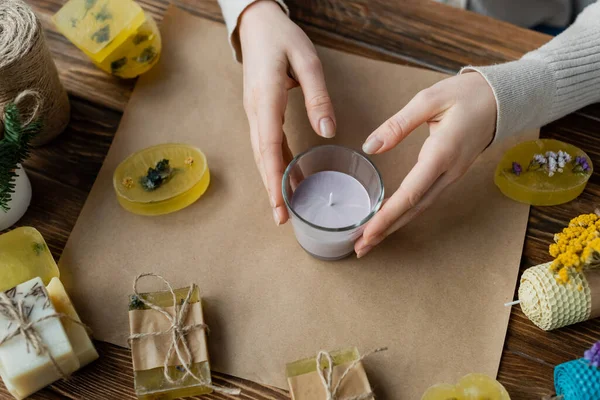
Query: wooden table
413 32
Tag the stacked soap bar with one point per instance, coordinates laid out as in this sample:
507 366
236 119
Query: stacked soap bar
469 387
26 266
305 383
24 368
115 34
24 256
149 352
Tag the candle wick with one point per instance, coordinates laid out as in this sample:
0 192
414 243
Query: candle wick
330 199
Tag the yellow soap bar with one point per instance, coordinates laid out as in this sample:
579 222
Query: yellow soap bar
543 172
24 255
115 34
161 179
469 387
80 340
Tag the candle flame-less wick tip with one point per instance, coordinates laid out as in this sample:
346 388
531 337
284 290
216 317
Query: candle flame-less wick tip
330 199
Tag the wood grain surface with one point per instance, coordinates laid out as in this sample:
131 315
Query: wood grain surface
412 32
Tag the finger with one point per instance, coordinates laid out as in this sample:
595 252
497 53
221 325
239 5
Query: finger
309 73
424 106
271 107
362 247
434 160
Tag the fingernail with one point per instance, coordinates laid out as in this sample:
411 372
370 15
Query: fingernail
327 127
372 145
363 252
276 217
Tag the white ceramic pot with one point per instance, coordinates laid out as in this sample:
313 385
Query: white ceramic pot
19 202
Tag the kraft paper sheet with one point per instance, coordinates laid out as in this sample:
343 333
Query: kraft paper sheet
433 293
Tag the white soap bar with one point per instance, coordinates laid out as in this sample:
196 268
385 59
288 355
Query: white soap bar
24 370
79 338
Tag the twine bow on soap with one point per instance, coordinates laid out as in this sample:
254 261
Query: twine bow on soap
18 314
178 332
326 375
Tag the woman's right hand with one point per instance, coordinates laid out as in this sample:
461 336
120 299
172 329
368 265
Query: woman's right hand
278 56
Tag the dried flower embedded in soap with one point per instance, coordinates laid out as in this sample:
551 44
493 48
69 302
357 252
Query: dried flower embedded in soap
576 248
127 182
553 163
581 165
516 168
156 176
39 248
146 56
189 161
103 14
592 356
102 35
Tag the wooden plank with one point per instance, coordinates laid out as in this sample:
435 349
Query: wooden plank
411 32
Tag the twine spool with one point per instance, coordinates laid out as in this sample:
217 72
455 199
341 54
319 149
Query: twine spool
26 64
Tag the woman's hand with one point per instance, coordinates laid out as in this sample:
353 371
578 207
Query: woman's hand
278 56
461 114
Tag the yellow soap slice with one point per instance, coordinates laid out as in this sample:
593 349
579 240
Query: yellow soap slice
442 392
526 173
161 179
24 255
138 53
115 34
80 340
480 387
98 27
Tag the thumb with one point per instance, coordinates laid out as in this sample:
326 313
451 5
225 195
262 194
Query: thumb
424 106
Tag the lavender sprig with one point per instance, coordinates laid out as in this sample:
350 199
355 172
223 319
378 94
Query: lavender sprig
592 356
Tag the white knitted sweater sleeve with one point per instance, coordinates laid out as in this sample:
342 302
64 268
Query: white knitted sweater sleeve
550 82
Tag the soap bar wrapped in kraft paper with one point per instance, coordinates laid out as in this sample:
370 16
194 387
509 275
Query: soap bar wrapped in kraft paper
336 375
168 343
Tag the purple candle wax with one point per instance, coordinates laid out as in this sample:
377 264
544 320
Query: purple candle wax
331 199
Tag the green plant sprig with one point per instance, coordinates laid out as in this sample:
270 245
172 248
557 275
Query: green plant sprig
14 149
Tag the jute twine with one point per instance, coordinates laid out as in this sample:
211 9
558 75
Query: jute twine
326 375
178 332
26 64
18 314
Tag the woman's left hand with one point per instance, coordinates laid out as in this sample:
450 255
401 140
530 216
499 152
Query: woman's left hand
461 114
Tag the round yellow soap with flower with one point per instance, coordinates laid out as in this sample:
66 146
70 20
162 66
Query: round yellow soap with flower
543 172
161 179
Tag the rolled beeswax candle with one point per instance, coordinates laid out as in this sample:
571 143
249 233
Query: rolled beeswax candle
577 380
115 34
551 305
24 255
305 382
80 340
28 360
149 352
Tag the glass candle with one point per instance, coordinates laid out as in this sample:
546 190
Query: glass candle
331 192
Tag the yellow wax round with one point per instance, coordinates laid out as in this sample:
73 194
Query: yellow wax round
520 177
469 387
187 179
24 255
